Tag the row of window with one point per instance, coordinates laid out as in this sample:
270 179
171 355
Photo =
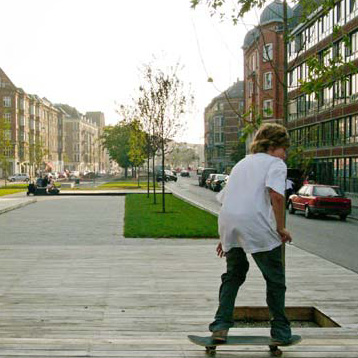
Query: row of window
6 117
336 132
337 53
343 12
340 93
338 171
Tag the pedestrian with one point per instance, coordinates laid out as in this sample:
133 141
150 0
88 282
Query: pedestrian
251 221
289 188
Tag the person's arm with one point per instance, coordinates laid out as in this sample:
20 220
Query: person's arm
219 250
278 205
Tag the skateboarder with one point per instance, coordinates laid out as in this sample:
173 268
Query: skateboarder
251 221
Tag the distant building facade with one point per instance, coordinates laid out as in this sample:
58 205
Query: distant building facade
327 126
223 124
47 137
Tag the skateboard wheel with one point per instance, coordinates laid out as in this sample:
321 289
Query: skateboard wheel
275 351
211 350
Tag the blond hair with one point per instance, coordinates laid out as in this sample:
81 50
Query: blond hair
270 135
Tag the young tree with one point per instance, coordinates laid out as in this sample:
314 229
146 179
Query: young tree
147 114
166 104
37 153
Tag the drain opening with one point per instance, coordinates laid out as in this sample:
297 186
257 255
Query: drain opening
300 317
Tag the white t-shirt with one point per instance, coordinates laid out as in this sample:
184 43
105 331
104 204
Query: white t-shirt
246 218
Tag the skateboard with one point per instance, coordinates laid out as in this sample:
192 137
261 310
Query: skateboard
210 344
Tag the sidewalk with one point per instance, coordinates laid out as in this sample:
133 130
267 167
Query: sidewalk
76 287
13 202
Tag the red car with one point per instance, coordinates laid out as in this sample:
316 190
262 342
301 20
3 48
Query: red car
320 199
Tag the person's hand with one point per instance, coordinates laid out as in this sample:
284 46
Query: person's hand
285 235
219 250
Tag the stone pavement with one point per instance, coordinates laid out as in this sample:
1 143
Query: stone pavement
13 202
72 286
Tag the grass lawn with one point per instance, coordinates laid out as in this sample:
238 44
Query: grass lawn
4 192
181 220
126 185
14 186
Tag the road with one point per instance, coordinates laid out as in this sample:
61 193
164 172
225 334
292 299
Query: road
327 237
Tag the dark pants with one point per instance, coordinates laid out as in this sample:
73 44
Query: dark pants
270 265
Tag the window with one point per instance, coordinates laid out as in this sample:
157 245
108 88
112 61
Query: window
339 94
267 52
338 12
292 110
353 129
311 103
301 106
267 80
352 5
7 101
267 108
7 117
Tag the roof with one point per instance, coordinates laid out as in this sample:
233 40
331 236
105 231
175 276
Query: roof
274 13
251 37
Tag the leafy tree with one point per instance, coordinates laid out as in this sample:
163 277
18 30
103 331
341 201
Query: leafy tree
137 145
239 152
321 74
117 141
296 159
181 156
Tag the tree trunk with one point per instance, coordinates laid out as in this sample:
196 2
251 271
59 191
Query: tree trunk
154 194
285 96
163 179
138 174
148 176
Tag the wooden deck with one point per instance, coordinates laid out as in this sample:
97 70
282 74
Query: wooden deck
140 298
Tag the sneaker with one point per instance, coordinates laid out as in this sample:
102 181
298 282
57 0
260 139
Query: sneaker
220 336
293 340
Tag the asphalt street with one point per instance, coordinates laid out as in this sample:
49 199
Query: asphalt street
326 237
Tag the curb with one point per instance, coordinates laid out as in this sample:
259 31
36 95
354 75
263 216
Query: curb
192 202
17 206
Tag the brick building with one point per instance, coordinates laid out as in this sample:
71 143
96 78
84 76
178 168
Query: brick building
35 129
263 66
223 127
47 137
82 149
327 126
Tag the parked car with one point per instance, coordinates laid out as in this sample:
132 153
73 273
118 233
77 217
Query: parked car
320 199
205 174
168 176
224 183
184 173
19 177
216 181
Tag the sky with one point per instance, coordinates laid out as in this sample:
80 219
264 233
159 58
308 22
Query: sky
88 53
